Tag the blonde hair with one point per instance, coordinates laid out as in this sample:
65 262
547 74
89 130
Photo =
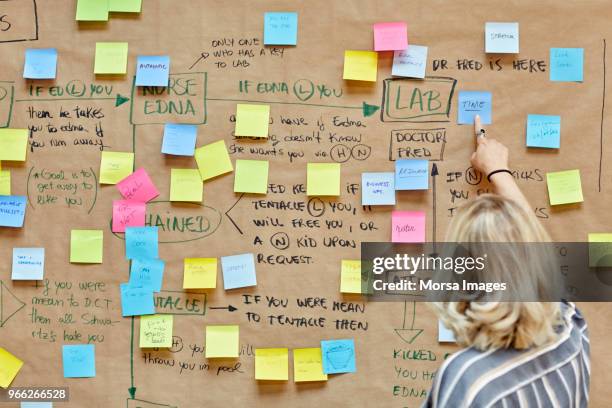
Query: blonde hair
497 324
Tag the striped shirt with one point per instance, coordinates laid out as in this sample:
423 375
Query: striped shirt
554 375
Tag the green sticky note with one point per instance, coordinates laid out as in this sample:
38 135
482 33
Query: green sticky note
86 246
323 179
600 250
252 120
5 182
200 273
564 187
186 185
251 176
115 166
213 160
156 331
111 58
13 144
222 341
92 10
125 6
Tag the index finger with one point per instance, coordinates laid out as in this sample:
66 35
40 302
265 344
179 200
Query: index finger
478 129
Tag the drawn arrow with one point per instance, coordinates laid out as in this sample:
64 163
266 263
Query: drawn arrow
230 218
119 99
229 308
9 304
408 334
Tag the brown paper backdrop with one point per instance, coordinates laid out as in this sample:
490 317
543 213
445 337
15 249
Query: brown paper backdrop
391 371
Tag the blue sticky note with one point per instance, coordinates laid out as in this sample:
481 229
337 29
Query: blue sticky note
12 211
280 28
544 131
79 360
36 405
28 263
338 356
377 188
445 335
141 242
136 301
238 271
40 63
566 64
179 139
472 103
411 174
147 273
152 70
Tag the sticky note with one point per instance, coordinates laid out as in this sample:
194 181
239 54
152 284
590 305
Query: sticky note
79 360
186 185
111 58
136 301
280 28
141 242
222 341
600 250
445 335
308 365
152 70
28 263
200 273
544 131
127 213
502 38
147 273
138 186
156 331
252 120
40 63
213 160
360 65
86 246
5 183
564 187
238 271
13 144
92 10
125 6
338 356
115 166
251 176
472 103
408 226
9 367
390 36
323 179
179 139
411 174
12 211
377 188
272 364
36 405
411 62
350 276
566 64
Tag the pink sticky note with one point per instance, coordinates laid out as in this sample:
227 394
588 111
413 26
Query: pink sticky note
128 213
138 187
390 36
408 226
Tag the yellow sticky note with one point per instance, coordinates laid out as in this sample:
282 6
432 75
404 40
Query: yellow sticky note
92 10
200 273
213 160
111 58
13 144
360 65
564 187
186 185
251 176
86 246
222 341
156 331
115 166
272 364
323 179
125 6
9 367
5 182
600 250
252 120
350 276
308 365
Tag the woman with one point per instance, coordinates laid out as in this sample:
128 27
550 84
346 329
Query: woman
530 354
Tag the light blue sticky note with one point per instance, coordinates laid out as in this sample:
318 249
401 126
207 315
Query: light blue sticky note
12 211
338 356
152 70
445 335
472 103
141 242
147 273
280 28
238 271
28 263
40 63
136 301
544 131
36 405
179 139
411 174
566 64
79 360
377 188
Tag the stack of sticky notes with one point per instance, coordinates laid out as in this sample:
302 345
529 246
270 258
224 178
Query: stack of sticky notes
28 263
40 63
408 226
79 360
9 367
222 341
115 166
564 187
238 271
111 58
323 179
186 185
213 160
156 331
200 273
